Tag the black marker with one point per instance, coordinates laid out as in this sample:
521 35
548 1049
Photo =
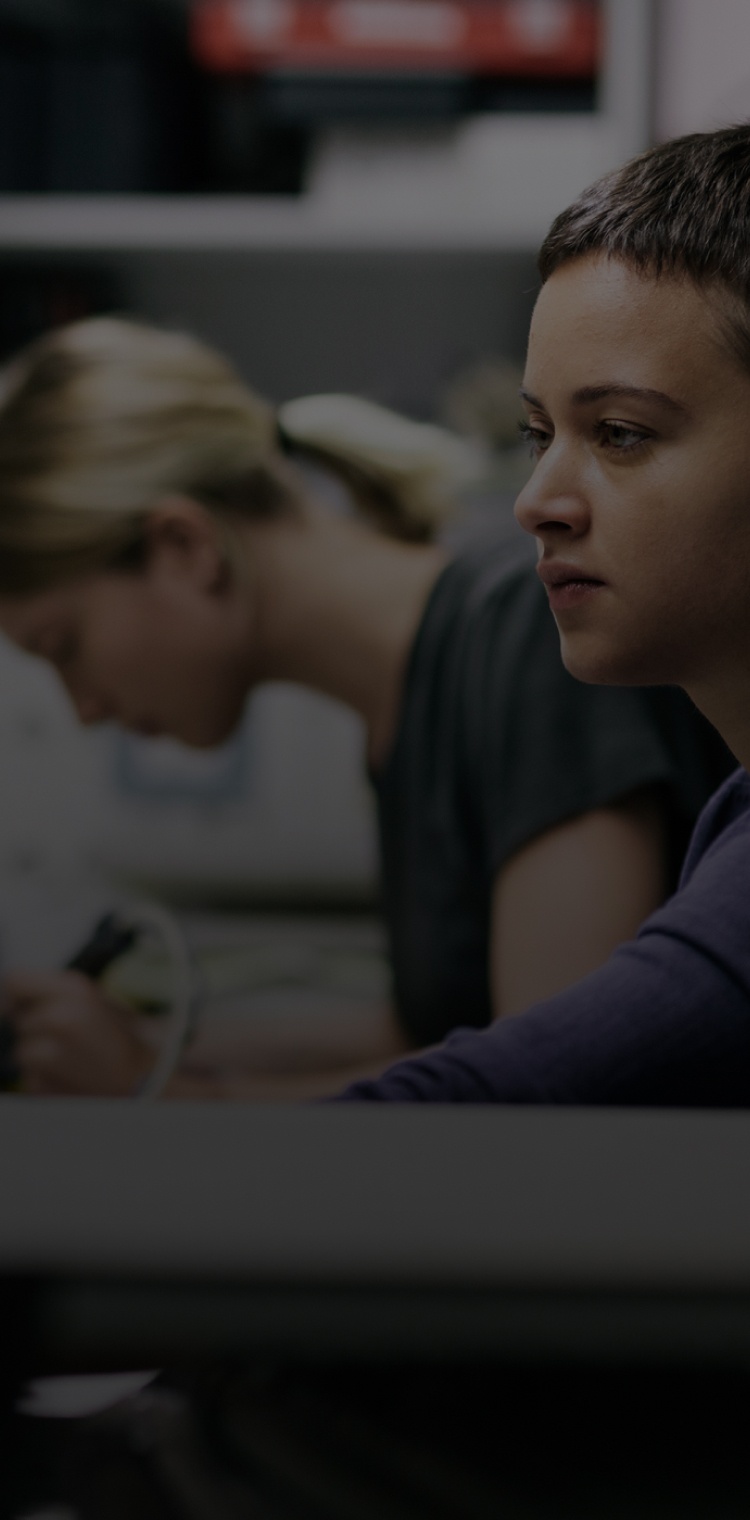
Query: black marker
111 937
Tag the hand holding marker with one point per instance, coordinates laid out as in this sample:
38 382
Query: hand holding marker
112 936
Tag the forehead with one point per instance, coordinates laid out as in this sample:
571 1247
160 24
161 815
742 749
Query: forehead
597 319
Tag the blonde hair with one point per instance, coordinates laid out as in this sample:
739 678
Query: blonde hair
101 418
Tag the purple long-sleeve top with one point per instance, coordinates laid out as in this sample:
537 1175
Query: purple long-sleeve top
666 1021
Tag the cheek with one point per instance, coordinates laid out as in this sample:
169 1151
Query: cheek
666 524
119 653
129 619
704 496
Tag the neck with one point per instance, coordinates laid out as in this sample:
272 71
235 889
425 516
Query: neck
724 702
336 606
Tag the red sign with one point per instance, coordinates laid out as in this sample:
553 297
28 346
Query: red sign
507 37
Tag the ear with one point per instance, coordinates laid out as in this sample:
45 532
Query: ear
184 541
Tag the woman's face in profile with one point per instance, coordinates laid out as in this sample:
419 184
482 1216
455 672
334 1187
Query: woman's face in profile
160 650
639 419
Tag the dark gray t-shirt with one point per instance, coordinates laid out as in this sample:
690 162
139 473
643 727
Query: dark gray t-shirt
496 744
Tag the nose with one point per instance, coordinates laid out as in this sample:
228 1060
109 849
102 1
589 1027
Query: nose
551 500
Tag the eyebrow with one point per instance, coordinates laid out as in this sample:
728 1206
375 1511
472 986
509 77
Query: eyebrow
589 393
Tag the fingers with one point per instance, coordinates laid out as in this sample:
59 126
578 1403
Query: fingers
70 1038
23 991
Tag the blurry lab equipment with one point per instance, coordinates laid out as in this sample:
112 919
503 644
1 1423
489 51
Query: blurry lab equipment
278 70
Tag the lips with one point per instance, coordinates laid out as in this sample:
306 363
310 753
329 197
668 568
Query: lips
558 573
568 586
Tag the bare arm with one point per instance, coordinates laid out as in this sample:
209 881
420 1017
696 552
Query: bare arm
72 1038
232 1083
563 903
291 1053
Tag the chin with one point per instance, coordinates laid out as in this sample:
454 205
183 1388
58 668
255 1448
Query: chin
607 667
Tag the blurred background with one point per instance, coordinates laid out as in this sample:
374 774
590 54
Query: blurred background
342 195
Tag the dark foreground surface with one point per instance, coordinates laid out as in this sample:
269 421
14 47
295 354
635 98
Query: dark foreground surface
398 1443
412 1315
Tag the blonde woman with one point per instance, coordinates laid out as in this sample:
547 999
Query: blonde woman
164 547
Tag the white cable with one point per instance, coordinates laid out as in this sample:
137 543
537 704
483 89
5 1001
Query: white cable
144 915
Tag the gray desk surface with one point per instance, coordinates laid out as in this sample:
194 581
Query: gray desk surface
172 1229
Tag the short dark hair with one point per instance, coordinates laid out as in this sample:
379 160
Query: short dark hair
680 209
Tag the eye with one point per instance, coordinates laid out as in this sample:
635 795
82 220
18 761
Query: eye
621 437
537 438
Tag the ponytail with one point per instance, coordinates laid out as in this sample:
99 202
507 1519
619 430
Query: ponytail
404 475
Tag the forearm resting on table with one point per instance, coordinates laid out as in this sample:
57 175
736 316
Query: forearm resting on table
70 1037
289 1055
294 1087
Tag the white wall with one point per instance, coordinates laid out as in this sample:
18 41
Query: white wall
703 65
